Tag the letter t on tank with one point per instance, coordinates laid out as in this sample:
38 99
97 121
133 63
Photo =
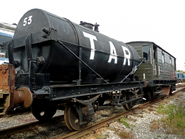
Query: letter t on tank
91 38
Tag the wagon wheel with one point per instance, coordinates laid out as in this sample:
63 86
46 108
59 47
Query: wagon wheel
66 118
72 119
128 106
42 110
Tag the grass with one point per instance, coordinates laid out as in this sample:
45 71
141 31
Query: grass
124 121
173 120
122 133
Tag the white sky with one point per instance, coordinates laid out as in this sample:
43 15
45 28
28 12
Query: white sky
160 21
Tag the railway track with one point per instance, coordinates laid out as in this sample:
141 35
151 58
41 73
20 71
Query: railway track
106 122
90 129
28 126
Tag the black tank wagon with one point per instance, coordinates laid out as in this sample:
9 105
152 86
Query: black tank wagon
57 64
114 57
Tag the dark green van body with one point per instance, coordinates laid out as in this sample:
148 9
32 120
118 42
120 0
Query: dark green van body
160 66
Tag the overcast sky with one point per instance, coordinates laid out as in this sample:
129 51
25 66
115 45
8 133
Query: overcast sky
160 21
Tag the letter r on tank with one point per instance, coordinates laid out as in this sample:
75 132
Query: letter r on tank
91 38
127 55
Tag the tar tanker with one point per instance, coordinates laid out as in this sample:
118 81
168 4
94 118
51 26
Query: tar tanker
109 58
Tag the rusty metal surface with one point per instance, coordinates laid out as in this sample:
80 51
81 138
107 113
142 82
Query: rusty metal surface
9 97
166 90
18 97
7 83
25 96
72 119
66 117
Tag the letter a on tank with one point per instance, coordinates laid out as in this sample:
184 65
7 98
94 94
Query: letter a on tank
113 53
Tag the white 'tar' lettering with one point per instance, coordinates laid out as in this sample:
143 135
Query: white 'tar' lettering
113 54
127 55
91 38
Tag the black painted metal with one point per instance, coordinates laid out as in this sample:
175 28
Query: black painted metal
82 61
42 79
86 102
72 91
10 53
46 28
31 74
28 48
126 102
79 67
133 71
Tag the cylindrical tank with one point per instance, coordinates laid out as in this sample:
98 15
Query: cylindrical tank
110 58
